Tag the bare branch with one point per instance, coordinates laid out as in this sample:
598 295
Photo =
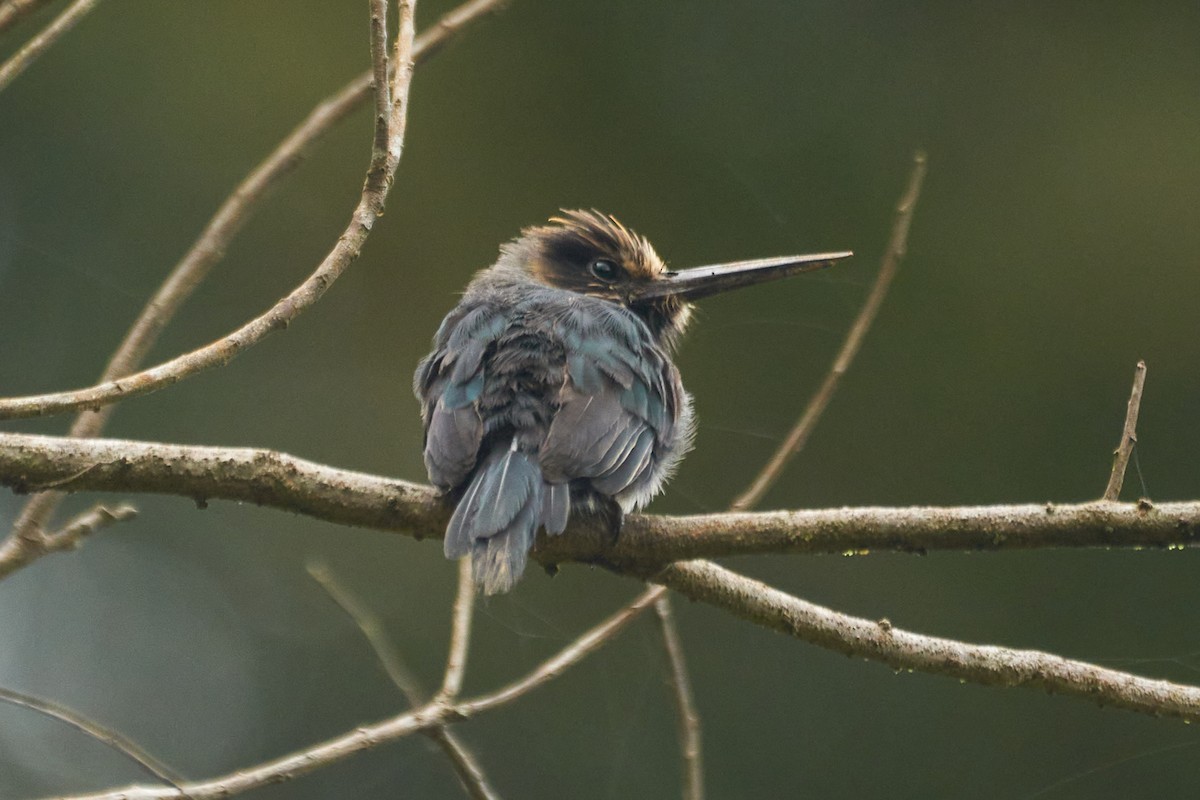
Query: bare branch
759 603
17 551
1128 435
95 518
208 250
365 621
240 205
449 25
428 717
384 159
460 633
794 442
253 476
100 733
466 767
366 500
798 437
291 766
698 580
902 650
380 70
13 11
569 656
685 703
39 44
277 480
117 382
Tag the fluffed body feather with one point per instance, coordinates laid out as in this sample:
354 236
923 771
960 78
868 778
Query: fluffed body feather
537 399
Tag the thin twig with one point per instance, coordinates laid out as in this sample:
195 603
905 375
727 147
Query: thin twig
1128 435
95 518
77 529
290 766
569 656
25 544
372 630
385 154
689 721
118 382
379 73
428 717
208 249
466 767
796 439
20 549
104 735
39 44
685 703
13 11
763 605
460 633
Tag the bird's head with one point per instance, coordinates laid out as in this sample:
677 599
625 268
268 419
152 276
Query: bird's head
594 254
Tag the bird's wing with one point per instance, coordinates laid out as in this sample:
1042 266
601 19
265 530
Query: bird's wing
448 382
619 407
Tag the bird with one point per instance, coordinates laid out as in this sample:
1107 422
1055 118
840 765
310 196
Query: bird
551 388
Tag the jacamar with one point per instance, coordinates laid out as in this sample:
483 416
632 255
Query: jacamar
550 387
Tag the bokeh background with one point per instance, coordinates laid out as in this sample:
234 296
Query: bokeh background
1057 242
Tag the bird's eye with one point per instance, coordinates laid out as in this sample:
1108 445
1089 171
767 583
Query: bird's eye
604 269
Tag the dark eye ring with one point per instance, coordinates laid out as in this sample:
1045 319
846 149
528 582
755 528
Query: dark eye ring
604 269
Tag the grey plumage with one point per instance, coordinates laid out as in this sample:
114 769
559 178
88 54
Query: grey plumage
550 387
536 398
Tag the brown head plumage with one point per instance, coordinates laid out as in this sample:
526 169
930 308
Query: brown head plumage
595 254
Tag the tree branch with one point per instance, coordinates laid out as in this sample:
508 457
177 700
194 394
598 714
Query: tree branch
39 44
117 384
277 480
261 477
763 605
579 649
196 264
1128 435
367 623
798 436
465 765
13 11
460 633
353 498
428 717
689 721
899 649
17 550
290 766
685 704
102 734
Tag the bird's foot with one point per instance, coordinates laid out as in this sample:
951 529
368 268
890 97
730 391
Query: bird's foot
612 516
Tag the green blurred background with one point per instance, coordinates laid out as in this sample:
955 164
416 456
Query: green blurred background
1056 243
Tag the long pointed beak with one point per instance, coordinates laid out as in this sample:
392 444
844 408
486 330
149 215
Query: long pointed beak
692 284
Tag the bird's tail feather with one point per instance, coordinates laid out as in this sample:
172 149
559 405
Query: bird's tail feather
499 514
